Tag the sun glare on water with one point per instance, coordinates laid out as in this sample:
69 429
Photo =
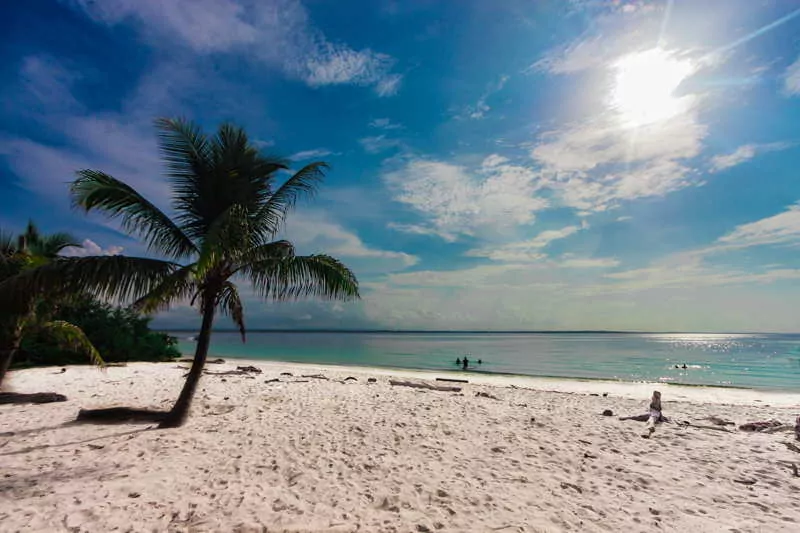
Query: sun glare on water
645 84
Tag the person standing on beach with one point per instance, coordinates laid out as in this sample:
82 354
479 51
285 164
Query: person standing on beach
466 362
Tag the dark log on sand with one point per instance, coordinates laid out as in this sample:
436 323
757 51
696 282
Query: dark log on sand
486 395
792 447
36 397
112 415
425 386
452 380
315 376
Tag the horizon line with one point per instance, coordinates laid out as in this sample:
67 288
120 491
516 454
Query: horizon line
454 331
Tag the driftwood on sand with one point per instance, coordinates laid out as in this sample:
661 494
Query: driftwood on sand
453 380
36 397
761 426
240 370
425 386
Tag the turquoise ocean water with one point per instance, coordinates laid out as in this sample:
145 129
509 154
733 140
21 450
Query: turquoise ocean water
768 361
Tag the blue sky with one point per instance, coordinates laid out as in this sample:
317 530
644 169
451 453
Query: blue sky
582 164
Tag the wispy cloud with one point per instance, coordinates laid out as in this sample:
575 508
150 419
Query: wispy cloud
595 165
277 32
780 229
745 153
384 124
456 202
314 232
481 107
524 251
791 79
311 154
378 143
595 262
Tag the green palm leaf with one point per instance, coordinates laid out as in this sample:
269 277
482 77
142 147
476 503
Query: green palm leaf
94 190
231 305
114 277
73 338
51 245
319 276
180 285
303 184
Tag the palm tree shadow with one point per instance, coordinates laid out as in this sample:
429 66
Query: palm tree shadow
119 415
73 443
18 487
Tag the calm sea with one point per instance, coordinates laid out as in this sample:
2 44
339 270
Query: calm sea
768 361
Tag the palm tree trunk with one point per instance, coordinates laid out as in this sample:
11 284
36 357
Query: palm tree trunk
9 344
177 416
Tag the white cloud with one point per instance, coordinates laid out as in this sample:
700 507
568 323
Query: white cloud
611 35
277 32
384 124
597 262
604 141
88 248
388 85
481 107
524 251
311 154
791 79
744 153
455 202
416 229
335 65
314 232
46 83
595 165
378 143
780 229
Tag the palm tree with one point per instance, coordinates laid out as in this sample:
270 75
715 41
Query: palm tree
27 251
227 211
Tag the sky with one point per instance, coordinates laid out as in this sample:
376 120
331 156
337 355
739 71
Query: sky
504 165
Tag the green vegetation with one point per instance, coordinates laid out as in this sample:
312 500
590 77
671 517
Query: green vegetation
119 335
228 207
22 316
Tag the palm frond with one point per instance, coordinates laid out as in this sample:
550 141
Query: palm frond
115 277
319 276
180 285
227 237
231 305
73 338
190 167
51 245
99 191
303 183
276 250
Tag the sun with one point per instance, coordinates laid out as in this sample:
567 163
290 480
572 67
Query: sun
644 86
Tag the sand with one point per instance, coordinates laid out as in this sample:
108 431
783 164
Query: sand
331 456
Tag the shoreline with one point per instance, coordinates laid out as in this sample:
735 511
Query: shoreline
622 389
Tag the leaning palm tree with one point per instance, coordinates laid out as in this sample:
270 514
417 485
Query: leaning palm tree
227 208
28 251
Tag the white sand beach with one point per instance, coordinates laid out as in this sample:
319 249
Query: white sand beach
326 455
